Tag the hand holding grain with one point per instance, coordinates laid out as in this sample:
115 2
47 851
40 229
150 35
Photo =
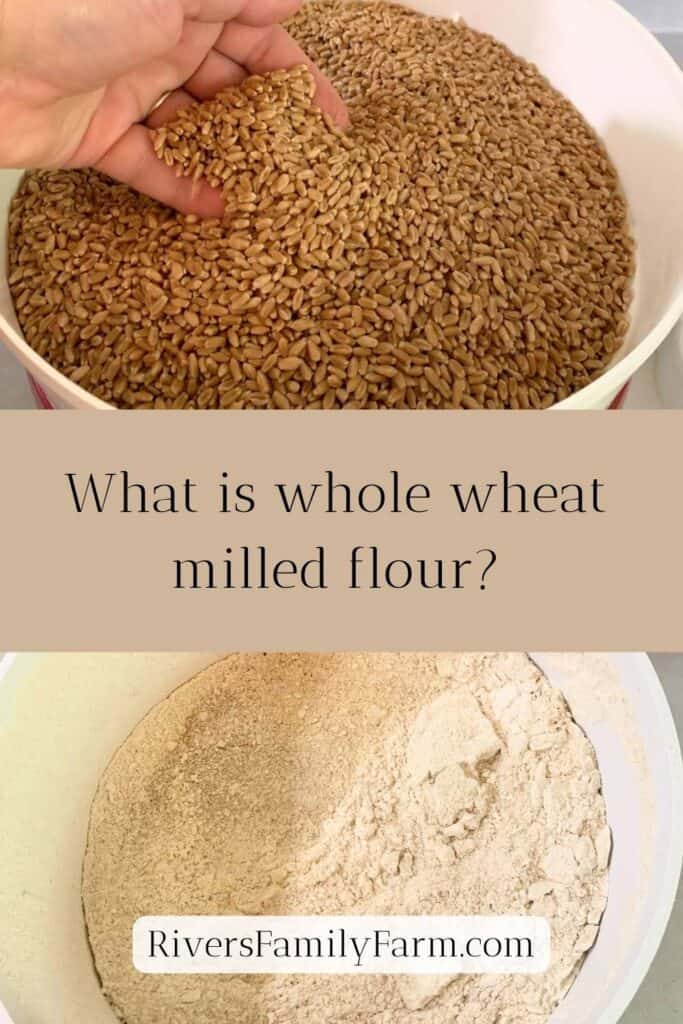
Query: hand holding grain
79 79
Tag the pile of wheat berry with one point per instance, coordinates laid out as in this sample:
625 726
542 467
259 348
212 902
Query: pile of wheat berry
464 245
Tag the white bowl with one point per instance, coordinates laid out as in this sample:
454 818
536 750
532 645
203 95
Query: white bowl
629 89
63 716
669 369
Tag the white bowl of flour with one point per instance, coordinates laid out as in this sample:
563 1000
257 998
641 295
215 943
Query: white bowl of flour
63 717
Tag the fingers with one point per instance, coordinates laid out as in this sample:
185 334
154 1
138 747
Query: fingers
250 12
77 46
262 50
216 72
268 12
165 74
132 160
169 107
240 48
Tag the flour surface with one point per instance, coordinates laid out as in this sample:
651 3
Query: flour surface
350 783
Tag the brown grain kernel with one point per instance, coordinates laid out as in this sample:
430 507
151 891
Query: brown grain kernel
281 400
291 363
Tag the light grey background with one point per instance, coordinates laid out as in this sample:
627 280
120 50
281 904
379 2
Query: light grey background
660 15
660 999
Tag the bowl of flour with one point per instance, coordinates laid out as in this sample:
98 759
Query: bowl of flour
333 784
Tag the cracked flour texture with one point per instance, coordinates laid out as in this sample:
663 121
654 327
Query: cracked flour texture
350 784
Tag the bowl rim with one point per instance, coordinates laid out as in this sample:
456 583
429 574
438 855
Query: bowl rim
669 876
634 359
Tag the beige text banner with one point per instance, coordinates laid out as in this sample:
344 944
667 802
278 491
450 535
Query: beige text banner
422 531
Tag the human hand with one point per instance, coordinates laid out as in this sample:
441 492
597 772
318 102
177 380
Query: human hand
78 80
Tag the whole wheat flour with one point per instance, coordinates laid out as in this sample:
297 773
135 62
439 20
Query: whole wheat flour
350 783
